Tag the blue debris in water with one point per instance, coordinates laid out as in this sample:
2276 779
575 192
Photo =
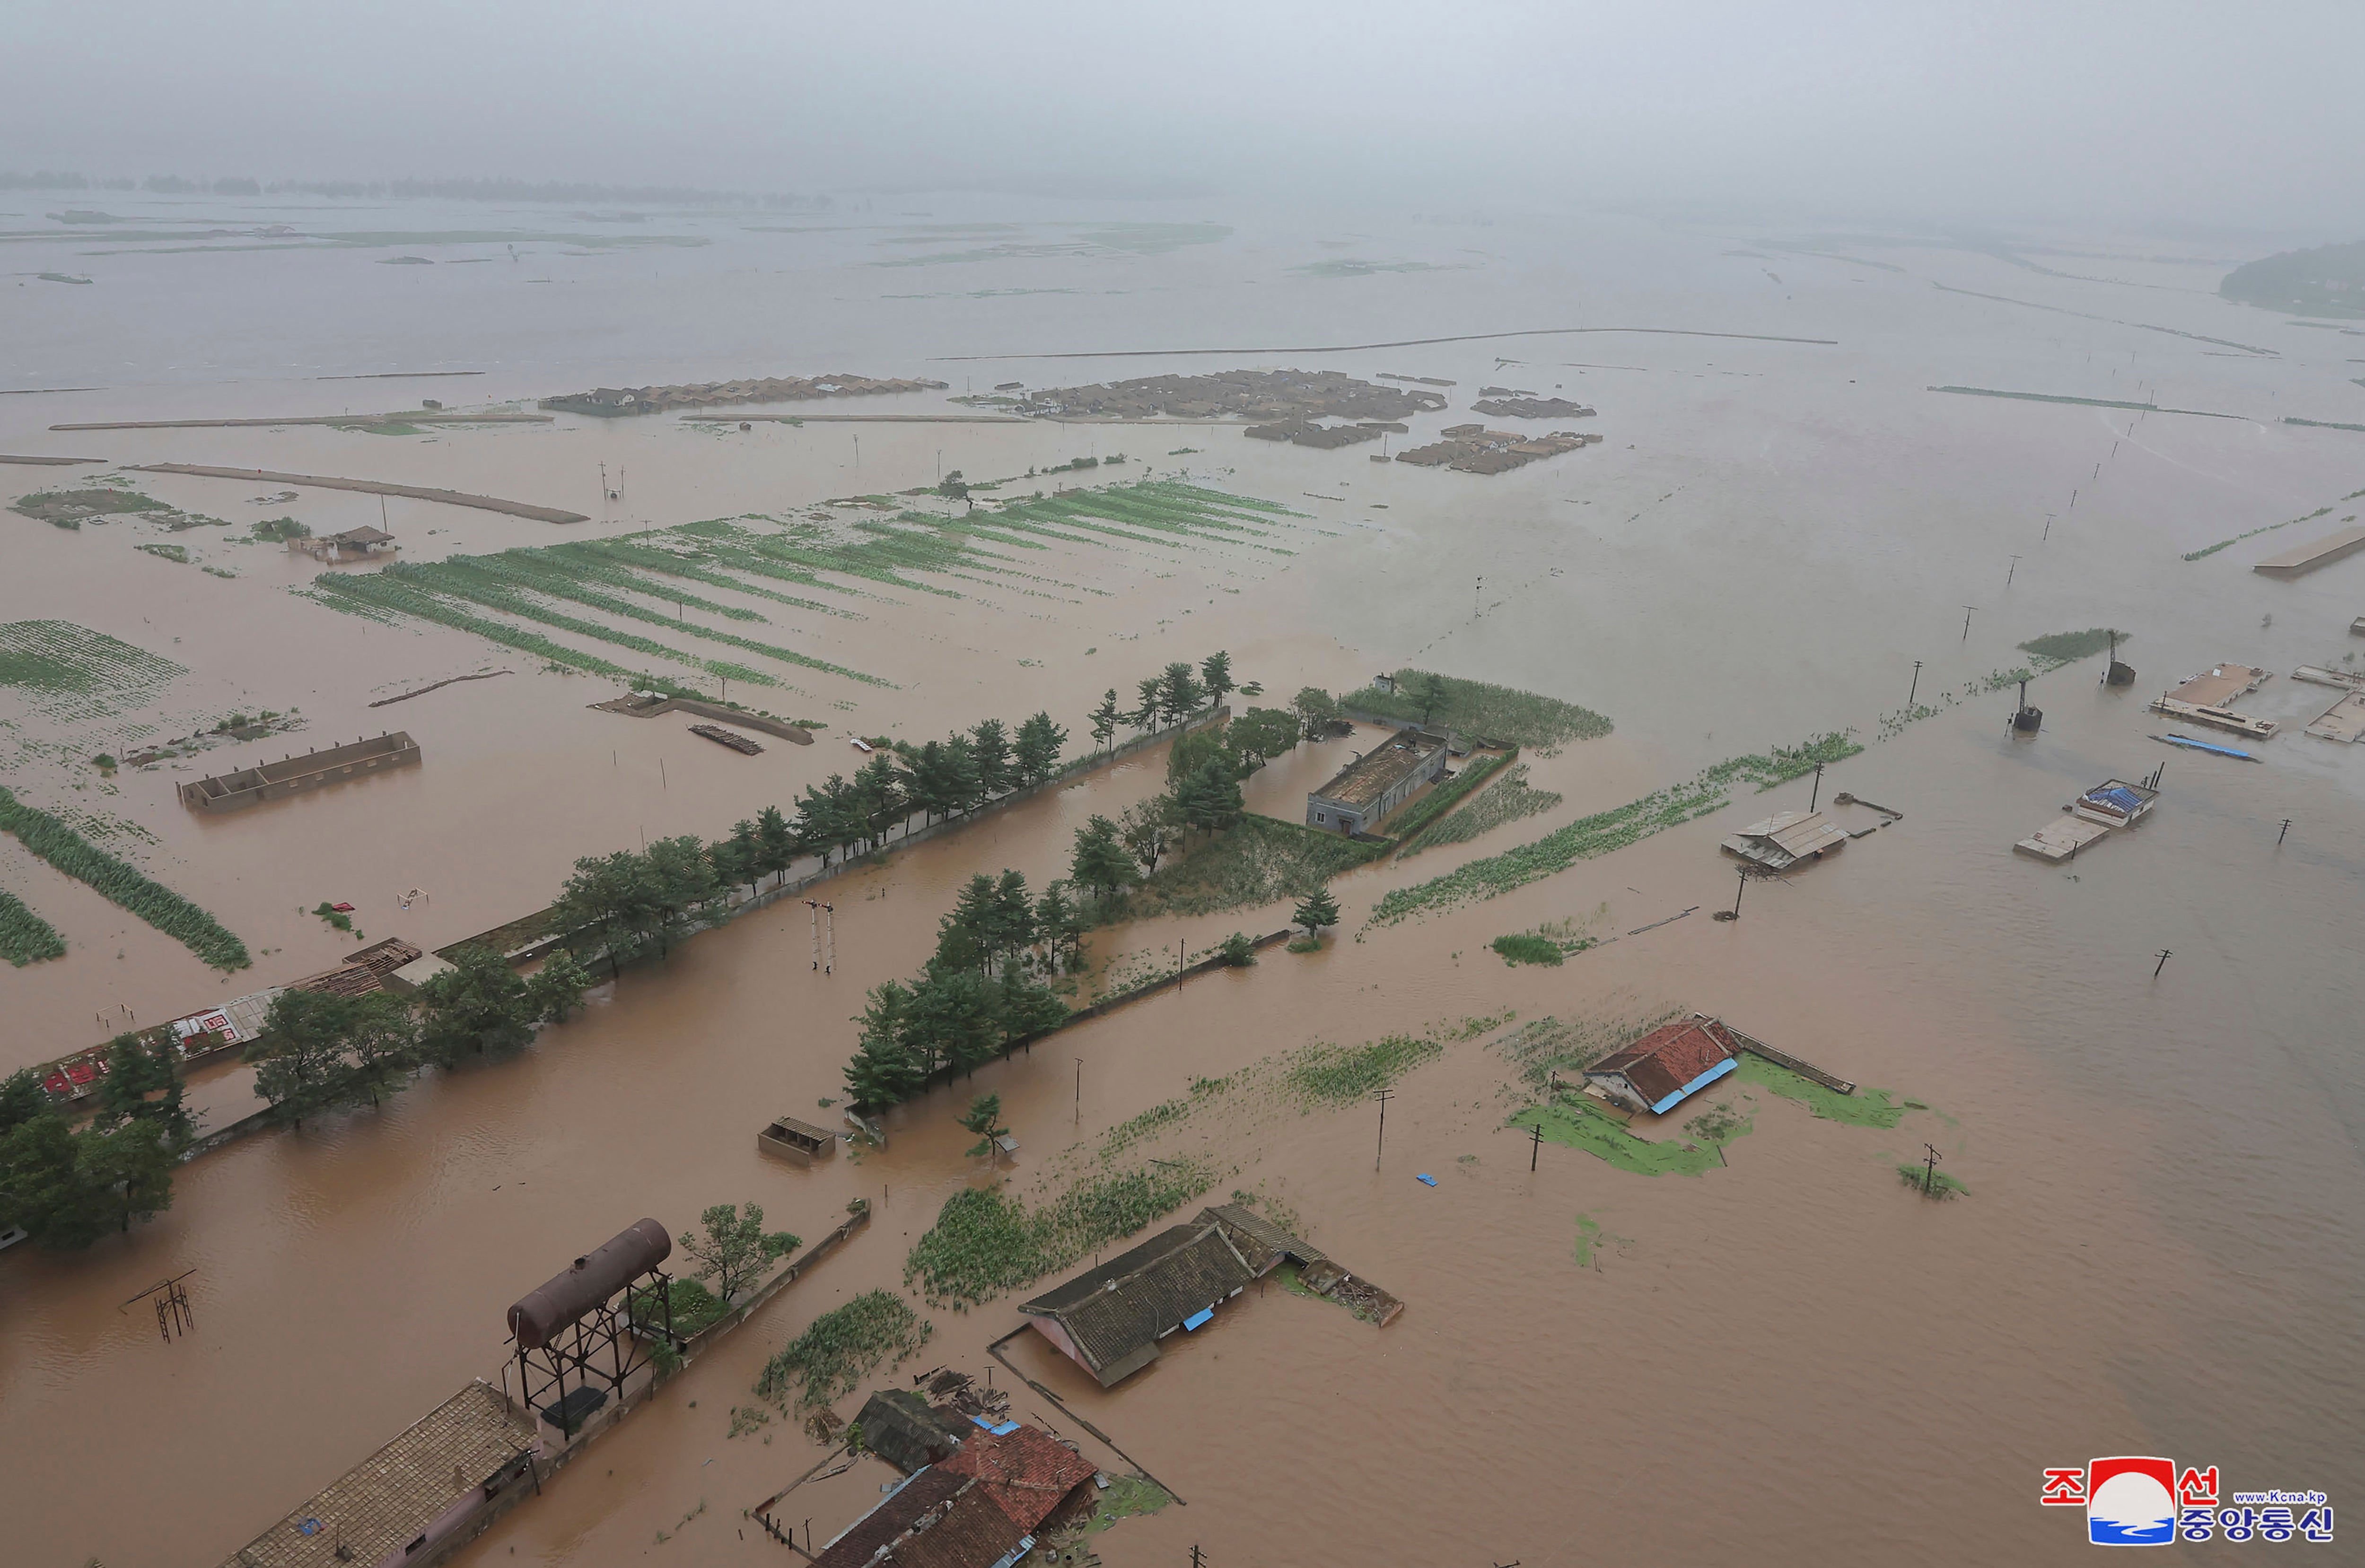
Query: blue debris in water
1426 1180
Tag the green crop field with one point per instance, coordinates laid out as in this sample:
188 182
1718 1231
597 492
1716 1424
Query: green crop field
25 937
120 883
74 673
1477 709
1709 791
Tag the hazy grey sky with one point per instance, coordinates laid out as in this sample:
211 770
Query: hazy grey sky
2166 110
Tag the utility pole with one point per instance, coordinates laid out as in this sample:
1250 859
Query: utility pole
1535 1144
1198 1558
1384 1096
812 915
2048 527
2161 964
829 931
1915 686
1816 793
1736 892
1079 1088
2279 837
2010 570
1930 1172
1967 621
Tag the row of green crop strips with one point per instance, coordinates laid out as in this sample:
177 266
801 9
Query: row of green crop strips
121 883
25 937
378 598
1709 791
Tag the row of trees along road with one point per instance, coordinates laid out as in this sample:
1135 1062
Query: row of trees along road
630 903
68 1186
322 1052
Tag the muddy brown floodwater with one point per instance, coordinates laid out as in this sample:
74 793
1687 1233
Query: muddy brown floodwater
1790 1358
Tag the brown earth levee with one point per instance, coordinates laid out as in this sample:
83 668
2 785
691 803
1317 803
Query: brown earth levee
49 462
370 487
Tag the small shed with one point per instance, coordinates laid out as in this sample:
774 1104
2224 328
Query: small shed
2114 803
1666 1066
412 977
908 1433
1784 839
799 1143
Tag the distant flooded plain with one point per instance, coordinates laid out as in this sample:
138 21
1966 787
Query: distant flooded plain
2159 1249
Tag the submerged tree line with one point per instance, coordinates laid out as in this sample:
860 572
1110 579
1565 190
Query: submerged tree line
996 976
991 980
67 1186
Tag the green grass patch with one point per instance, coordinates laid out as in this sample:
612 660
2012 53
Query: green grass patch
1509 800
70 507
841 1347
1262 860
986 1243
1588 1236
1542 1047
1930 1183
25 937
2059 649
1480 709
1321 1075
279 529
1576 1125
1527 947
694 1306
121 884
1447 796
1709 791
173 552
1128 1497
1865 1108
74 673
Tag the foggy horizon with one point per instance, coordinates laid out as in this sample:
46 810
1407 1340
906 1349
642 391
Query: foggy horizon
2158 121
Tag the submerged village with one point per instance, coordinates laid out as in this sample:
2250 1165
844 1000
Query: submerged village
1016 1086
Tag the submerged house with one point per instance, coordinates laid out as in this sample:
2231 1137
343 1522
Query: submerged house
1666 1066
1028 1474
1108 1320
1784 839
1364 791
908 1433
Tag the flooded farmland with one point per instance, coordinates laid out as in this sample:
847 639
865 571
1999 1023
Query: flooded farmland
1780 536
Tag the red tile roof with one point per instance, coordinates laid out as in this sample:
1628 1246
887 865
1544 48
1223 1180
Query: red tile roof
1026 1472
1671 1055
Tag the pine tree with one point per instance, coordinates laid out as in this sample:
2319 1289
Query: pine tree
1179 692
885 1071
1039 741
1215 673
1314 911
776 842
144 1083
1101 862
990 744
747 854
1057 924
1106 717
983 1117
1146 716
963 786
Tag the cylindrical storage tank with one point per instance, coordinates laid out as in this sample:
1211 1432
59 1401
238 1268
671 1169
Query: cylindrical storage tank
539 1314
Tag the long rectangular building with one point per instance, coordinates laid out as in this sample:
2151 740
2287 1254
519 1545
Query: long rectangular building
1363 792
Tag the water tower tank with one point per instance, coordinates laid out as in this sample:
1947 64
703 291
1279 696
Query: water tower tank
539 1314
